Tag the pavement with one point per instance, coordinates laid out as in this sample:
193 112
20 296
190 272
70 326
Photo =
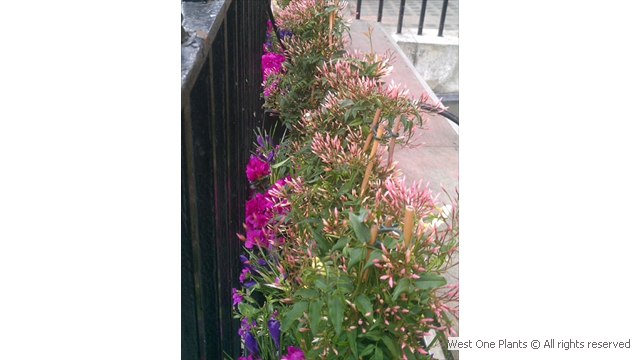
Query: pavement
436 161
411 18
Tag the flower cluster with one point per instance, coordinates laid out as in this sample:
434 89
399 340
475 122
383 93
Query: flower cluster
262 210
272 60
264 281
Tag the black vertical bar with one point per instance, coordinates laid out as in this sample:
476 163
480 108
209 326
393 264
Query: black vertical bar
380 5
442 16
204 246
189 302
218 55
401 16
423 11
233 56
358 7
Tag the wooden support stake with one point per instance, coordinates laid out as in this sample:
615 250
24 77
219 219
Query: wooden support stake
374 233
374 149
408 224
332 19
373 126
392 145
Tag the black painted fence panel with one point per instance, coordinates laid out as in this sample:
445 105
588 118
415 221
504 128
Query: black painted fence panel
221 107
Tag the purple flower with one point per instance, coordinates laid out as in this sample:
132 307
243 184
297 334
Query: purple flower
284 33
249 284
243 279
237 297
244 327
280 278
257 168
262 142
274 331
293 353
269 158
251 343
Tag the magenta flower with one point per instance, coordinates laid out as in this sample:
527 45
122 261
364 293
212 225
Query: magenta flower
271 63
293 353
257 168
257 211
237 297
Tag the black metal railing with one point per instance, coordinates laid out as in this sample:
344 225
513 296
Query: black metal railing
423 12
221 107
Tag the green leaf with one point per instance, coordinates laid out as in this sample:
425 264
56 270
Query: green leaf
377 355
346 102
357 222
293 314
401 286
336 312
345 284
363 304
246 309
368 350
355 257
315 308
372 335
409 354
306 293
323 244
429 281
280 163
340 244
320 284
309 220
375 254
391 346
351 335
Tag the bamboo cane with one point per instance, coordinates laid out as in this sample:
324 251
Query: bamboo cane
376 117
332 19
374 149
374 233
408 223
392 144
